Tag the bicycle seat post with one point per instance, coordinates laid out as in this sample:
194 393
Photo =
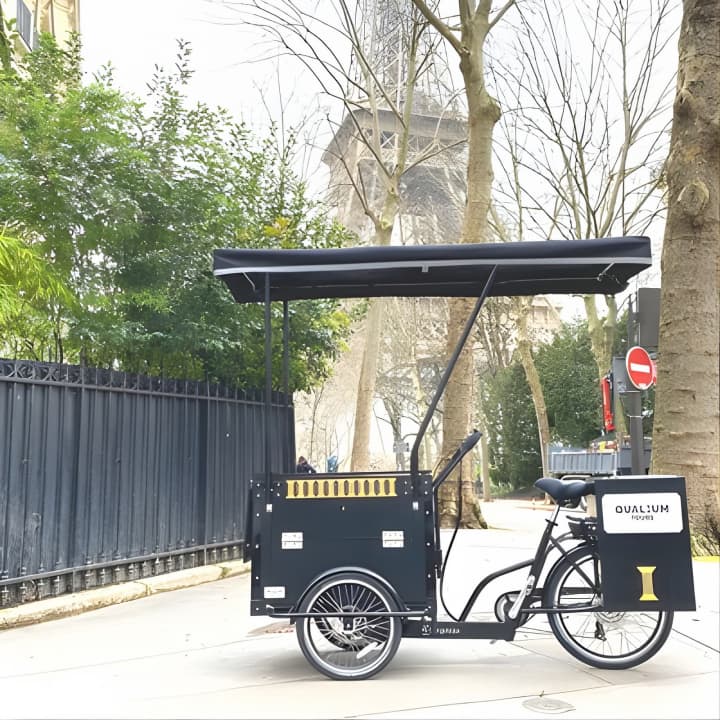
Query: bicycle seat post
536 566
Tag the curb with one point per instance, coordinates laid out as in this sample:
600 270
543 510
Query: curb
80 602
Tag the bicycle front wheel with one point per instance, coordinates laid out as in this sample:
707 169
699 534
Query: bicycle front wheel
603 639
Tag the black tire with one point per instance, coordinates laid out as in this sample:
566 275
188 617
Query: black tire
355 649
608 640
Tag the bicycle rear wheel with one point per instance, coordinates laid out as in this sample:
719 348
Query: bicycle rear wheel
603 639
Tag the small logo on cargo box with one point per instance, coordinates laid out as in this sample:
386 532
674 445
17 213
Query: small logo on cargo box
642 513
393 538
648 589
274 592
291 541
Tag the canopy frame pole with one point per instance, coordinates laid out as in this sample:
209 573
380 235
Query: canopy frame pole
469 323
289 457
286 348
268 380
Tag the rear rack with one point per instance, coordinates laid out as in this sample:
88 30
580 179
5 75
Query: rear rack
583 528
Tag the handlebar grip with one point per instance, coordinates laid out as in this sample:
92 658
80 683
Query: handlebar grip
470 441
465 446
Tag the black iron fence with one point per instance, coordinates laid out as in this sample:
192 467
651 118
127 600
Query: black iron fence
106 476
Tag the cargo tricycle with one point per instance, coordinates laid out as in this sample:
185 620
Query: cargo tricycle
355 560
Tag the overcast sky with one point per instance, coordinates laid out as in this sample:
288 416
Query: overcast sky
135 35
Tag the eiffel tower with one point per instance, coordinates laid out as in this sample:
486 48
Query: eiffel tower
432 192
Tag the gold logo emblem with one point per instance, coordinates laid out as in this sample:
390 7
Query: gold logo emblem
648 590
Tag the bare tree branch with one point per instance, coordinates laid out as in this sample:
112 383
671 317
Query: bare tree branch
499 14
439 25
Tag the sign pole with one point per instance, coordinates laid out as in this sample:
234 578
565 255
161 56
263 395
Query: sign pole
637 441
641 373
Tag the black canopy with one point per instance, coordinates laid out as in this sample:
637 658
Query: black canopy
523 268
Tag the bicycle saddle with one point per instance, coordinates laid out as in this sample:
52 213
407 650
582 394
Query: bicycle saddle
565 492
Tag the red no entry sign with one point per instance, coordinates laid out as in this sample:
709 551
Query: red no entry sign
640 368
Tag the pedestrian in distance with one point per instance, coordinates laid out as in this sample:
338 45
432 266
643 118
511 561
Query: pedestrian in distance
303 466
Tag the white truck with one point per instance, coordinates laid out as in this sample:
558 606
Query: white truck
564 461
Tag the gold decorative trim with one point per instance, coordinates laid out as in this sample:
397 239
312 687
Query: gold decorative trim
341 487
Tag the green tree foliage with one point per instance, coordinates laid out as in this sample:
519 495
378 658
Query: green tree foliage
569 380
127 199
568 375
30 295
512 429
7 35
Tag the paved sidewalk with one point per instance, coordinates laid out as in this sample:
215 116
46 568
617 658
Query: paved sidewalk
80 602
197 653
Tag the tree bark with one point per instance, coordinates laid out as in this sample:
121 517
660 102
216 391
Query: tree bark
360 460
483 113
456 424
425 449
686 438
485 473
533 378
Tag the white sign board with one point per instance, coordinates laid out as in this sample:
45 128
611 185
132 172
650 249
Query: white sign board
631 513
291 541
393 538
274 592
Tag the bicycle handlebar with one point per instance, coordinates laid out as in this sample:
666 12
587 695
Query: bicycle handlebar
465 447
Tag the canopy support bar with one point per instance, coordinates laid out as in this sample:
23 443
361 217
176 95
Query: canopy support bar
268 378
286 348
289 459
448 371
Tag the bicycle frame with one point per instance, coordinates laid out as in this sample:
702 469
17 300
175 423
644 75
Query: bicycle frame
532 592
523 605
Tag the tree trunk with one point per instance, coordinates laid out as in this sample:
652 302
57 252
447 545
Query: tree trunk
533 378
485 472
483 113
360 460
686 438
317 397
456 425
394 414
602 332
425 449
